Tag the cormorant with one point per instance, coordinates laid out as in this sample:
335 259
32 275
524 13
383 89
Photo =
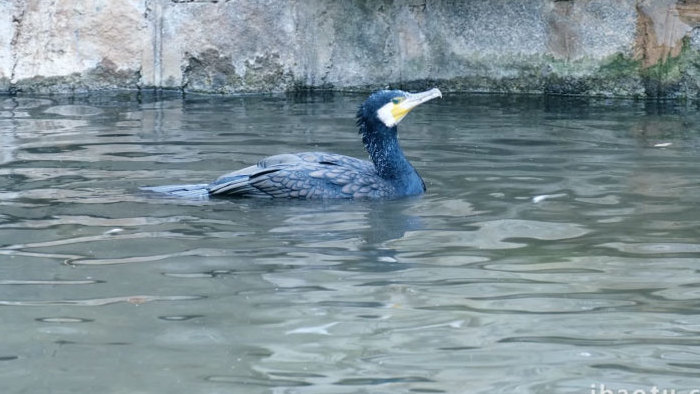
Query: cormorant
330 175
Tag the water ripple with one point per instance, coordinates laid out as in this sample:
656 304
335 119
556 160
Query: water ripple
48 282
134 300
556 247
653 248
492 235
150 258
73 110
247 381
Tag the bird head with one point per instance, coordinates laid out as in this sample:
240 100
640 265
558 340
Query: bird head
390 106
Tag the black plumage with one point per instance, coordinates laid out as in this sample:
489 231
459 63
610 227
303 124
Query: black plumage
329 175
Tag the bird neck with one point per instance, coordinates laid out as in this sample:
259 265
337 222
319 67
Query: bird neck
387 155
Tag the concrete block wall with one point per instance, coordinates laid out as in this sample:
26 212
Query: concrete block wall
639 48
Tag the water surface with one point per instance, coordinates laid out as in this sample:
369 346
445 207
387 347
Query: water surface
555 251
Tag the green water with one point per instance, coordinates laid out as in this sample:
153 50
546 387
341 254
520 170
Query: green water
557 250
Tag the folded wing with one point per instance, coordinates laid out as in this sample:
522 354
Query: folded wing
305 175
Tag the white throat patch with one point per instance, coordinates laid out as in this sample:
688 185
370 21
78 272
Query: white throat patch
384 114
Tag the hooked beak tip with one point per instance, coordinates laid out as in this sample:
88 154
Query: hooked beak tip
422 97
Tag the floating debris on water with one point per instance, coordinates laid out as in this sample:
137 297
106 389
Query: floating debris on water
543 197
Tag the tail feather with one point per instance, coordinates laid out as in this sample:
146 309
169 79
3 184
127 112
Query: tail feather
196 191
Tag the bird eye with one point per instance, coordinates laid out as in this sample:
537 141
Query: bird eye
397 100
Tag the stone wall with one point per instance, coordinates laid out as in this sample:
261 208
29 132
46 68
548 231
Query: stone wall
643 48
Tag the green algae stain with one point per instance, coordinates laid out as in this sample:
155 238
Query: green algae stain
674 77
620 66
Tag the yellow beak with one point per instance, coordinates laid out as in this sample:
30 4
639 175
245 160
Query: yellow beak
412 100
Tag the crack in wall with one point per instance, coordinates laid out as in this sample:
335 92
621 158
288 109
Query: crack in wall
662 27
18 13
158 45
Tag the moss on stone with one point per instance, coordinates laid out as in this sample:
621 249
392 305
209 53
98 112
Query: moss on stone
674 77
620 66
